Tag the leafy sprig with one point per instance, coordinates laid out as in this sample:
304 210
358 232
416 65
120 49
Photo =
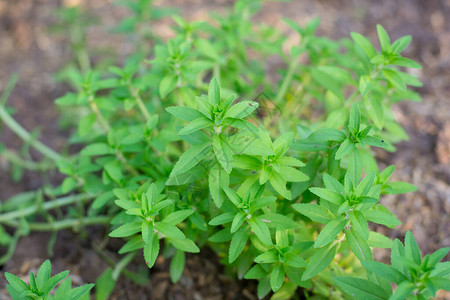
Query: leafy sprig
43 283
415 277
148 226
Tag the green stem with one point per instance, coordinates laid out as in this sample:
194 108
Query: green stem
97 113
83 60
374 74
216 72
138 278
99 250
107 128
287 81
78 40
27 164
140 103
124 163
64 224
11 84
45 206
121 265
25 136
11 248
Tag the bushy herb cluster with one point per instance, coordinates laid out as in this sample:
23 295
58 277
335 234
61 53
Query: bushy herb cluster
194 142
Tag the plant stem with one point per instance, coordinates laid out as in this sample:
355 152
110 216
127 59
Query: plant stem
83 60
64 224
140 103
45 206
27 164
11 247
138 278
25 136
97 113
121 265
216 72
107 128
287 81
11 84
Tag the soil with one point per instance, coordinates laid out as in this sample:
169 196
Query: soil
29 49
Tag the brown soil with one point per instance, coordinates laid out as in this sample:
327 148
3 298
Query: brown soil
27 48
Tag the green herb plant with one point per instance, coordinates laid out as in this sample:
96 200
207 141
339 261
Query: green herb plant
193 143
43 283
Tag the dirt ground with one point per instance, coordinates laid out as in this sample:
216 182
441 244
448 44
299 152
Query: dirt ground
29 49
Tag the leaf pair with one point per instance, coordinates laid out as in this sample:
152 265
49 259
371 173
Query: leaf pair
269 160
357 135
